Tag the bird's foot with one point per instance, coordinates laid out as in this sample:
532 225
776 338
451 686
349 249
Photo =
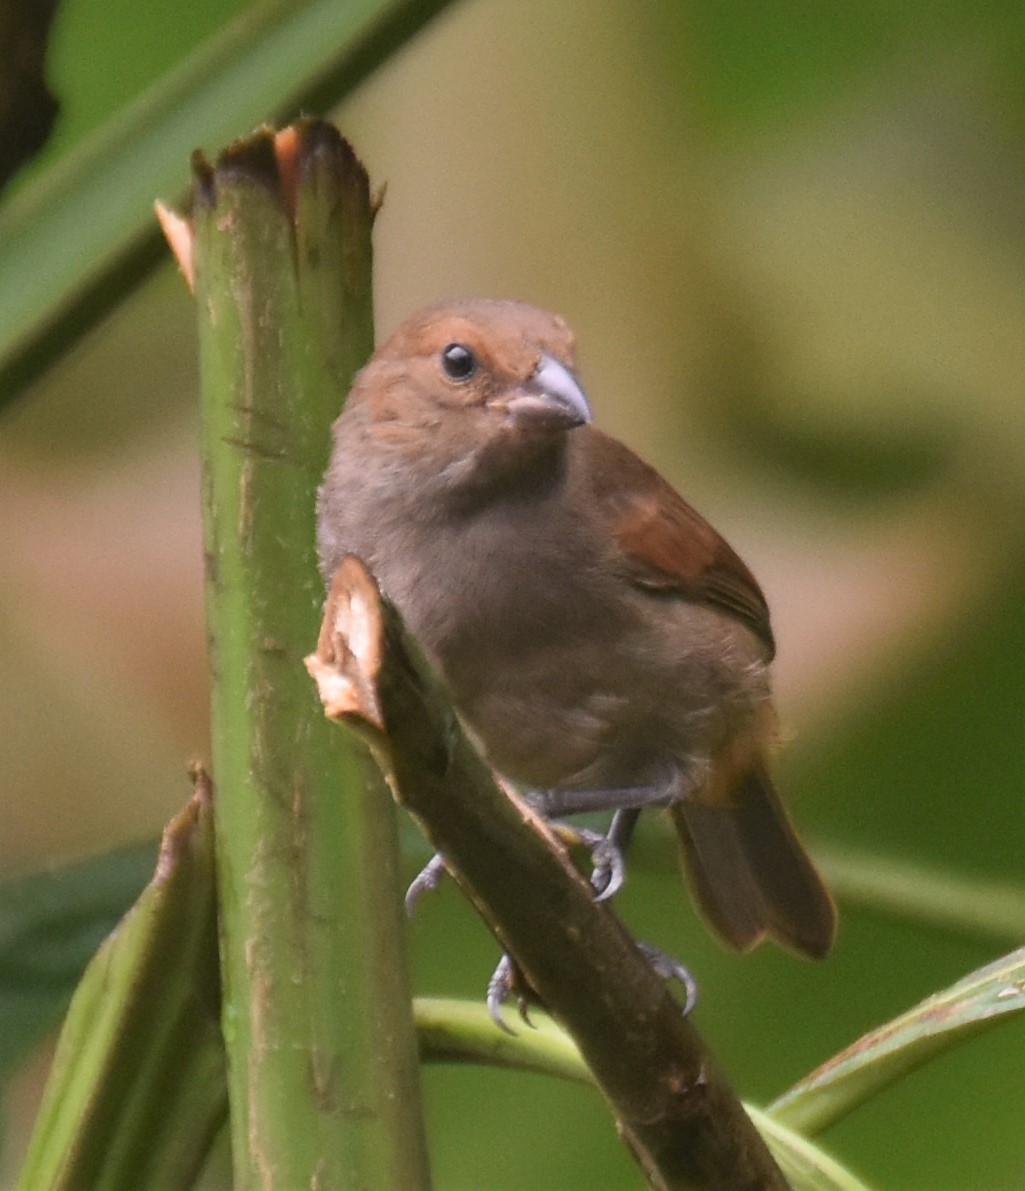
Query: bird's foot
426 880
508 981
669 968
608 859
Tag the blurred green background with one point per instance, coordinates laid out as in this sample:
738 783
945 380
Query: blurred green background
790 240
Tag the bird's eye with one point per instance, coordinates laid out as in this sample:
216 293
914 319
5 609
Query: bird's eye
458 361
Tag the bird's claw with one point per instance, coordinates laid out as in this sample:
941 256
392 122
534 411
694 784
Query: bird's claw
608 860
426 880
669 968
609 869
507 980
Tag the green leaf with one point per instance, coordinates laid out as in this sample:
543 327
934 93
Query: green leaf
76 240
50 926
806 1166
136 1093
983 999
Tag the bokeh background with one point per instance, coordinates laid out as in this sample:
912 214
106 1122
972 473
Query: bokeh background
790 240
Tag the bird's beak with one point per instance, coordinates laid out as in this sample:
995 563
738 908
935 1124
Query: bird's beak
551 399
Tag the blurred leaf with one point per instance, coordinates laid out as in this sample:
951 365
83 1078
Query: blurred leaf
975 907
77 239
137 1091
987 997
102 57
929 766
50 926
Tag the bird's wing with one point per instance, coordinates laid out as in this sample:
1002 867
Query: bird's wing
666 545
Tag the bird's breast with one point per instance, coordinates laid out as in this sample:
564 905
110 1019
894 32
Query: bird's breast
567 672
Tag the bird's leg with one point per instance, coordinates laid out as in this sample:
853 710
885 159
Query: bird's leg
608 855
567 800
608 851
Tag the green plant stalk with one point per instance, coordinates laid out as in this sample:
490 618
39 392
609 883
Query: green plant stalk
75 241
463 1032
451 1031
322 1072
136 1093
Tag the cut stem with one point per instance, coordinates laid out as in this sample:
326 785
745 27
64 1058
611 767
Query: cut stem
322 1072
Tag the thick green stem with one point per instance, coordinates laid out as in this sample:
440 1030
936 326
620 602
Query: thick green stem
322 1070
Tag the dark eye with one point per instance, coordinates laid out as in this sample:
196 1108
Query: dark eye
458 361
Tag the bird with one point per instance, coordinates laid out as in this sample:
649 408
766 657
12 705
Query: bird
606 647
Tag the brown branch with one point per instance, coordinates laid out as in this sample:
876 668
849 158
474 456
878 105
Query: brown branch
674 1110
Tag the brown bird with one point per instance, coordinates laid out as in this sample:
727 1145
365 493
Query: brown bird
605 645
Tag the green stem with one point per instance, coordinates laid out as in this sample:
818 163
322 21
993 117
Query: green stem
462 1032
322 1072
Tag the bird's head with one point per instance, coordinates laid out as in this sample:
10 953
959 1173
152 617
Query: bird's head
477 390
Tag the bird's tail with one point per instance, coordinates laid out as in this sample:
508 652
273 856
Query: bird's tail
748 872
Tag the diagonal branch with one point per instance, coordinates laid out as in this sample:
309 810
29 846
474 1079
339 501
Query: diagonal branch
673 1108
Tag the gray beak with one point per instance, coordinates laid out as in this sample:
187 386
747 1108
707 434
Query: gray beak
551 399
